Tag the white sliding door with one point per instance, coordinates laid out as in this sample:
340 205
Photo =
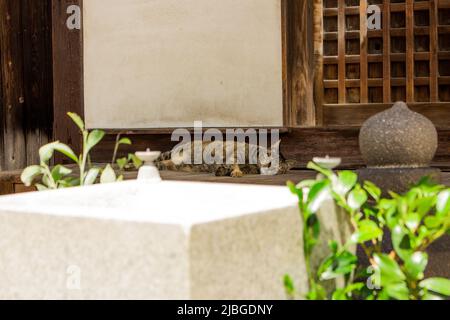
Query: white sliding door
168 63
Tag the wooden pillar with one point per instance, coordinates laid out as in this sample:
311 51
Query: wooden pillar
302 62
13 150
37 57
25 81
67 73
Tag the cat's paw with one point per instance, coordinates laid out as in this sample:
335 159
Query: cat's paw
237 174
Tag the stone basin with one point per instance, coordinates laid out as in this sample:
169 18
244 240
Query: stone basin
140 240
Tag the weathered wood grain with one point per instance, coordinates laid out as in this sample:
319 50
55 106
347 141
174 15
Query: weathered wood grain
26 81
12 68
37 76
302 63
67 73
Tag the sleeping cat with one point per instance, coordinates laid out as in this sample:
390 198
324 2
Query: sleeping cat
236 160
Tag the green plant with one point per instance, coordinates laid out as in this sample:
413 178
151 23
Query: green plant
60 176
415 220
125 163
130 162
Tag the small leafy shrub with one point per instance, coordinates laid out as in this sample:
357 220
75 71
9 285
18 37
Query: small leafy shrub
44 177
414 220
125 163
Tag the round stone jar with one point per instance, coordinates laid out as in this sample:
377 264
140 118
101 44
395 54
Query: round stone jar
398 138
398 146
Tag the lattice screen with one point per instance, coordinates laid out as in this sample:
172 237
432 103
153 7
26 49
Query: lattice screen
408 59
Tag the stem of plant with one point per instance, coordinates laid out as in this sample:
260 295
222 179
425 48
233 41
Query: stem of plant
83 158
54 185
116 148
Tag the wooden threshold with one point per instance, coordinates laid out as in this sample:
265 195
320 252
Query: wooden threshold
356 114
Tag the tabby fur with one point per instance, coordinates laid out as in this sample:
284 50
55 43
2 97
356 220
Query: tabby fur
232 164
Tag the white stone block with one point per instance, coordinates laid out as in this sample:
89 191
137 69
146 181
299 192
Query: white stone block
169 240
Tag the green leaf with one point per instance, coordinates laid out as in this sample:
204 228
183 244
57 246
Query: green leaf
388 270
46 181
94 137
122 163
46 152
77 120
41 187
317 293
431 297
69 182
437 285
313 225
60 172
66 150
415 265
29 174
339 295
347 292
338 265
306 184
389 208
372 190
334 246
136 161
424 205
125 141
314 166
345 181
433 222
91 176
357 198
367 230
318 194
292 187
401 242
402 207
413 221
443 203
108 175
397 291
289 286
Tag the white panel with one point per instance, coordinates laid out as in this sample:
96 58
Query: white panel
168 63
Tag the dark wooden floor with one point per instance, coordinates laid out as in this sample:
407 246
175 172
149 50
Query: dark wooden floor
295 176
10 180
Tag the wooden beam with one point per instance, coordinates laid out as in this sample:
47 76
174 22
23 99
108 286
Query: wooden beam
356 115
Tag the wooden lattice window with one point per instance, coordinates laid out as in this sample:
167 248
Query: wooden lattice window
408 59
